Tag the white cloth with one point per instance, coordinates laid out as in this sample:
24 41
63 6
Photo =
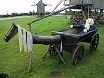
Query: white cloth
24 42
29 41
20 38
87 27
89 22
71 26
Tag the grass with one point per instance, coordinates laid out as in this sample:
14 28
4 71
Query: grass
15 64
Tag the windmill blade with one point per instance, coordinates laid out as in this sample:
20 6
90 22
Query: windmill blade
57 5
49 4
33 5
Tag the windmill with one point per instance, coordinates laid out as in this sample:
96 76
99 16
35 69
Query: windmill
89 9
41 8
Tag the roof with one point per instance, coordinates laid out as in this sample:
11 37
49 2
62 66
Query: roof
41 3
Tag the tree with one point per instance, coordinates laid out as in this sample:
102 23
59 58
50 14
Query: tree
30 13
33 12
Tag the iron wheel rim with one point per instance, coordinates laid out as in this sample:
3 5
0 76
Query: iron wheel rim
94 43
77 55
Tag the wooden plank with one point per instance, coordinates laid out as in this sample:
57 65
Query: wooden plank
46 40
95 3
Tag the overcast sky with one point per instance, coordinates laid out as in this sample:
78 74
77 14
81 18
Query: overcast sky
21 6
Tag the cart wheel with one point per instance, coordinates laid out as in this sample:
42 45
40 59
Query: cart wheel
77 54
52 50
94 43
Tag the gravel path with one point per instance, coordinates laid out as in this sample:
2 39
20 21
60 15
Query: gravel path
14 17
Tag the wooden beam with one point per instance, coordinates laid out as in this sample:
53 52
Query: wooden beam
46 40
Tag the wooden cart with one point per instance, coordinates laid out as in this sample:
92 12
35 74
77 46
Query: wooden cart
66 40
70 43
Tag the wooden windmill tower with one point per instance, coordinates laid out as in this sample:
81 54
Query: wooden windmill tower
86 7
40 8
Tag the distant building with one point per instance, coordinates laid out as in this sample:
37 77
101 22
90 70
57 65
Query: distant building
89 9
93 4
41 8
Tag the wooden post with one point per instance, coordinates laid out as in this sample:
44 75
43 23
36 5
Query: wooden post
30 27
30 61
47 40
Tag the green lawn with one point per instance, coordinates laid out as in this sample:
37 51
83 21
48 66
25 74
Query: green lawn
15 64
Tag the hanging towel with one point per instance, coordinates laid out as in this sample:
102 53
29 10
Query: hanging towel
29 41
25 41
20 38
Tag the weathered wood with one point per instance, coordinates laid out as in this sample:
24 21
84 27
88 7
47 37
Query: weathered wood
94 3
78 18
46 39
30 61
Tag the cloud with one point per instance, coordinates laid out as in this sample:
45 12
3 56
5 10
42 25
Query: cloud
24 5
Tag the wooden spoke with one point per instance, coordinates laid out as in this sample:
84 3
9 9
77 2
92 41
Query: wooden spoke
77 54
60 54
52 50
94 43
